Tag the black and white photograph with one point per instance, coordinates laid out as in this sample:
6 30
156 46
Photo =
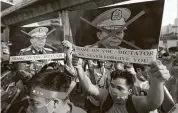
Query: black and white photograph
89 56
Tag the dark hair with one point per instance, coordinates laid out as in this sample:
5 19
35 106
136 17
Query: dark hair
173 49
51 79
175 63
165 54
123 74
136 66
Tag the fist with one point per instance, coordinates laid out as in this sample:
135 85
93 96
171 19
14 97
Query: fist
77 62
26 74
159 71
67 44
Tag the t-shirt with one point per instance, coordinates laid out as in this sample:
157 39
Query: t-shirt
21 107
75 109
108 106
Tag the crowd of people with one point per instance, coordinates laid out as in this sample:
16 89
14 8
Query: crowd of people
108 87
49 86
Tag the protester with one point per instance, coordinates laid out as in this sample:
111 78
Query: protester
174 81
117 96
173 52
49 93
142 77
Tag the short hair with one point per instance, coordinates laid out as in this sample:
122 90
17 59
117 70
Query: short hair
51 79
123 74
165 54
175 63
173 49
136 66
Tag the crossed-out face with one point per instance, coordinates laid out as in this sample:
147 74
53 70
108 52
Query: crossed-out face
38 42
111 42
119 90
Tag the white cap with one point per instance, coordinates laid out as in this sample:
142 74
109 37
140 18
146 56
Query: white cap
112 18
39 32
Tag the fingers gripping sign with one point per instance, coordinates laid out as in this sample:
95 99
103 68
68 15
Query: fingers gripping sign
159 71
67 44
76 61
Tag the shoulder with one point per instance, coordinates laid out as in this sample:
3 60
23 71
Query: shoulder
78 110
25 50
130 106
48 49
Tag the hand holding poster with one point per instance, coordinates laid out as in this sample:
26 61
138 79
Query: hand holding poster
122 55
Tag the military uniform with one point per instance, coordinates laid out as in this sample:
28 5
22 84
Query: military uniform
35 66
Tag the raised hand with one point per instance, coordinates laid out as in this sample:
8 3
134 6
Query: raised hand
159 71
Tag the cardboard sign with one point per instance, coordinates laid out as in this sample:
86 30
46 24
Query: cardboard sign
37 57
123 55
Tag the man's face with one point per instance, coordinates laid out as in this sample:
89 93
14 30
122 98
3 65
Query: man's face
38 42
111 42
142 74
37 101
43 105
173 54
119 90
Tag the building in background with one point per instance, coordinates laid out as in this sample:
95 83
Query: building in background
169 35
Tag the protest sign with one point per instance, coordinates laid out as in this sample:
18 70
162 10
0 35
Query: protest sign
122 55
132 26
37 57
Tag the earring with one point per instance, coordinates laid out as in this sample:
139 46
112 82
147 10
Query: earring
130 91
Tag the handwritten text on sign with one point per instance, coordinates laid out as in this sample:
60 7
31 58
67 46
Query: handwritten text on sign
37 57
123 55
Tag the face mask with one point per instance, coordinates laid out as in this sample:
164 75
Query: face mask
117 96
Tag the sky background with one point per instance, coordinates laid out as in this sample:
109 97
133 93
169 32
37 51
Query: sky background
170 12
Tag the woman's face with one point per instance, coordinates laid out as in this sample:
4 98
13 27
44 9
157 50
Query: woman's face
111 42
119 90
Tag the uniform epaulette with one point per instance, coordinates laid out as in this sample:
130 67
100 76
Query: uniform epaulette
25 49
48 49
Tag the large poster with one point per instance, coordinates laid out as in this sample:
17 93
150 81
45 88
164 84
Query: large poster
133 26
31 42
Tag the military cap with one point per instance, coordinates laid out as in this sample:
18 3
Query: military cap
112 18
39 32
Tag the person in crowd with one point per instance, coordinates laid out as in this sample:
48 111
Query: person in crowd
167 60
173 52
38 40
173 82
142 79
100 77
49 92
117 98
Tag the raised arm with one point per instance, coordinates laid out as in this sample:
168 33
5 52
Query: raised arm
85 81
158 74
68 50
